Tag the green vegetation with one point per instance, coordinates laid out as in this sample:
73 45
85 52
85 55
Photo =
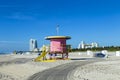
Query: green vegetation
108 48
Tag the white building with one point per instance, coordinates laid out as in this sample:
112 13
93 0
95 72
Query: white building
83 45
33 44
94 44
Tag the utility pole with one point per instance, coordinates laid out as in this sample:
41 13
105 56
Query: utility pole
57 29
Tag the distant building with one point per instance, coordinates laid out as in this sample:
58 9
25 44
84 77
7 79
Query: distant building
33 44
94 44
83 45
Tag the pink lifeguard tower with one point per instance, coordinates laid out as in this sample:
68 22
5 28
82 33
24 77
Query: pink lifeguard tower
58 45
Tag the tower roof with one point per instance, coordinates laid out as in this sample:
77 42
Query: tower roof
57 37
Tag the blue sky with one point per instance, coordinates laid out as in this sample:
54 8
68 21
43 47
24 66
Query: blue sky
87 20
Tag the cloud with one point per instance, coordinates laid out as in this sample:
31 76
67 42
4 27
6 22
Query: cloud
5 6
21 16
8 6
6 42
18 12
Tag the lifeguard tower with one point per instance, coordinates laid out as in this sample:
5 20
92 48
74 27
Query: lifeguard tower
58 46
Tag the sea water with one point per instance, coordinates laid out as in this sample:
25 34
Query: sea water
4 53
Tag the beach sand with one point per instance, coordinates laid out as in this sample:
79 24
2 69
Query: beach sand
21 67
108 70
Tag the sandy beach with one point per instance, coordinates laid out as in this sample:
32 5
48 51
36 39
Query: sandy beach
108 70
21 67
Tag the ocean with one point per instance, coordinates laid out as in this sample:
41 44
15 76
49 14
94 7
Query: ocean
4 53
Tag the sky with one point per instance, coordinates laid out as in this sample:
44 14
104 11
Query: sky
83 20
